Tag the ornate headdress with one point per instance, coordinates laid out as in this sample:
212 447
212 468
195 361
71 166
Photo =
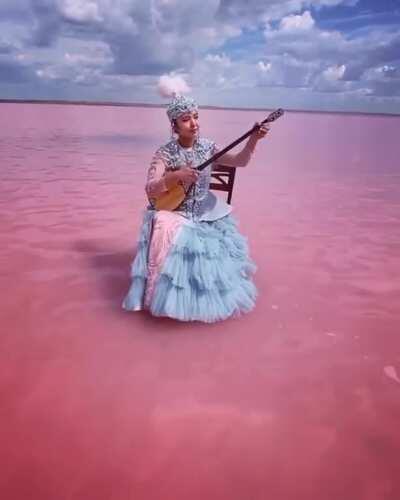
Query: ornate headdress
179 105
175 86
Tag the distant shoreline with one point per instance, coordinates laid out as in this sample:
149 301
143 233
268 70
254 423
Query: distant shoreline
221 108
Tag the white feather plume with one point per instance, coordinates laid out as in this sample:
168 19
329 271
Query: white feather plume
170 85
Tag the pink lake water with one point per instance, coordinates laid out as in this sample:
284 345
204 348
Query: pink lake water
299 399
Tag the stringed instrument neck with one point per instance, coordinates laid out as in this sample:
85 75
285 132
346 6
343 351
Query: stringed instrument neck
272 117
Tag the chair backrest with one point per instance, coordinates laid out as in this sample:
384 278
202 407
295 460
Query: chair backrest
225 178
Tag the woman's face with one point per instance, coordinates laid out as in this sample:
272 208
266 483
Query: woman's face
187 125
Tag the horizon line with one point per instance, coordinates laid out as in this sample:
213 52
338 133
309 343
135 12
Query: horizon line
152 105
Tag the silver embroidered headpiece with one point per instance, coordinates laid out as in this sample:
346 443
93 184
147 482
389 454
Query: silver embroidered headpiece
179 105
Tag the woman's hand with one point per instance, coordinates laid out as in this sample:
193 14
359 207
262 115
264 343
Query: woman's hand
261 131
187 174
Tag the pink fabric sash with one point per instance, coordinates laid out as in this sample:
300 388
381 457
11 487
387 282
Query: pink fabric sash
166 226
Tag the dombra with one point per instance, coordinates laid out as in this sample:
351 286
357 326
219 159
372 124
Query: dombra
176 194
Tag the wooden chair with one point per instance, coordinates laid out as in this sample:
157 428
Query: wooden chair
225 178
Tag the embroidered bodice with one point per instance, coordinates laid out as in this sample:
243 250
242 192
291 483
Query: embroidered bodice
175 157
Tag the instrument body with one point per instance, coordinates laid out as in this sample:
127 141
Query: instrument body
174 197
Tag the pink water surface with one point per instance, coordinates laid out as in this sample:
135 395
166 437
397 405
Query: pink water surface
297 400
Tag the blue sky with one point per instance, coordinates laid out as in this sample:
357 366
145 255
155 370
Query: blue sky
330 55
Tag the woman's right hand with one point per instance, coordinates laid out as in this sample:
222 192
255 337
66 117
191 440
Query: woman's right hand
187 175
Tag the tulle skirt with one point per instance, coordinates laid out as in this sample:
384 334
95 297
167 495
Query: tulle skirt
204 274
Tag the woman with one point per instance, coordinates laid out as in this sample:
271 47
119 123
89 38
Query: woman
192 264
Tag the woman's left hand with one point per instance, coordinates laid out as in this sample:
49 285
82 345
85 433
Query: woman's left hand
261 131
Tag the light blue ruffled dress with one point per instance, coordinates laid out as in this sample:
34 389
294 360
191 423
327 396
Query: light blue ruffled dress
207 272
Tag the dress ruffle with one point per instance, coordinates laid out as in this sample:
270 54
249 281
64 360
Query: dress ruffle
206 275
139 269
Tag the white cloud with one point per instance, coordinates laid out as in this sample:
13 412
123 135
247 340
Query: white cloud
296 23
383 79
218 61
264 67
67 62
219 71
334 72
98 55
331 59
81 10
155 37
301 38
387 70
248 13
49 73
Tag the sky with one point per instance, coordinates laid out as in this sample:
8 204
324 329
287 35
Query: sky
321 55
